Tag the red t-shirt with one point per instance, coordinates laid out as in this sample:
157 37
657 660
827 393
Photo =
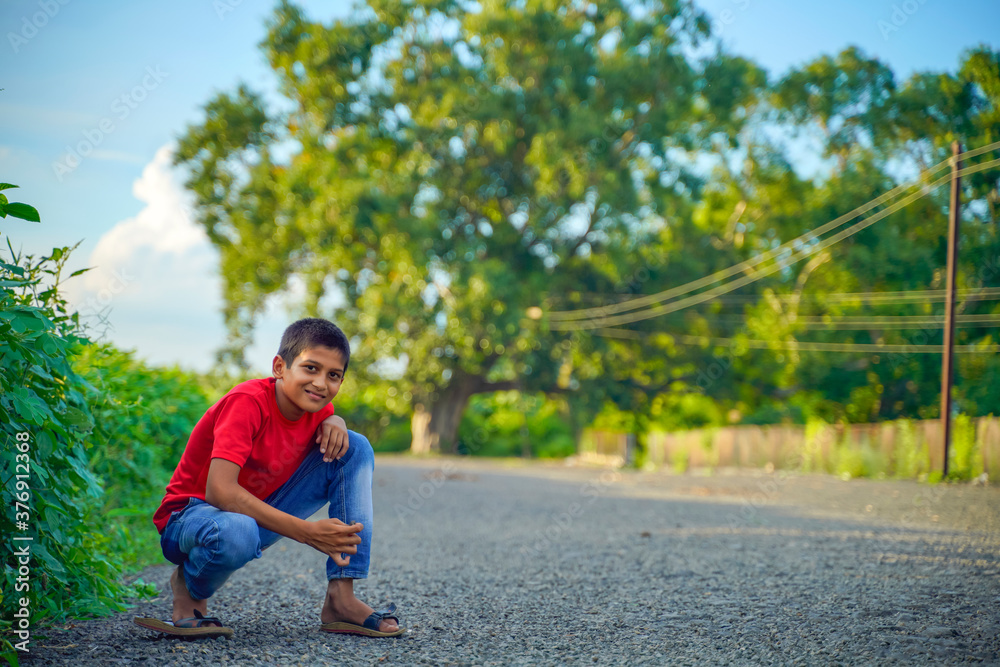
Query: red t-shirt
247 428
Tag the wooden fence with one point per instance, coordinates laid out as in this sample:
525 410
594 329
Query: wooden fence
901 448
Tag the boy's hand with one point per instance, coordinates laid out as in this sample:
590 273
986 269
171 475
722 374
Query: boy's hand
334 538
332 437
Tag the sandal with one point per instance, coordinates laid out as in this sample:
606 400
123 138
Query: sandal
195 626
370 627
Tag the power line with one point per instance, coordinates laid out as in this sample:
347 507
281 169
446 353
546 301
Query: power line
894 322
914 295
976 152
757 274
861 321
890 298
865 326
802 346
639 302
739 282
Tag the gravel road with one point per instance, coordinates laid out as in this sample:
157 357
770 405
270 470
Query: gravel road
506 563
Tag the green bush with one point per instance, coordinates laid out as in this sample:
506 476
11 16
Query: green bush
910 459
500 424
396 438
679 460
965 458
91 437
817 432
858 458
47 426
143 416
365 412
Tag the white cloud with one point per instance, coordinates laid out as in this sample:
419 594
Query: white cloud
155 276
164 227
155 280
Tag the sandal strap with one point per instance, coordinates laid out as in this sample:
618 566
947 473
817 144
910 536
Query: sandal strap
376 617
200 621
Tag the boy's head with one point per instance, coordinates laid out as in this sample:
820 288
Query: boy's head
309 367
313 332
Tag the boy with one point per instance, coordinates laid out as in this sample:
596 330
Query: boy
261 461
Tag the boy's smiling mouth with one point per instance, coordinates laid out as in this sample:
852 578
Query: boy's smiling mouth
314 395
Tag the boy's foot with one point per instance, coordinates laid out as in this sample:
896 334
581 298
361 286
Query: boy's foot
341 605
184 604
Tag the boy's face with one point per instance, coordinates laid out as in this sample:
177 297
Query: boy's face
309 382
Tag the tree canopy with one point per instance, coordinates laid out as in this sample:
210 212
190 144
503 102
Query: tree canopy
446 174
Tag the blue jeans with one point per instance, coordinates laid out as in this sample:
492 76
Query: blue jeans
211 544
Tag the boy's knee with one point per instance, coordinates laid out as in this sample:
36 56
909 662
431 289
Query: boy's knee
362 449
239 541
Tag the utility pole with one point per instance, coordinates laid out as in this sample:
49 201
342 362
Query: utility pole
949 307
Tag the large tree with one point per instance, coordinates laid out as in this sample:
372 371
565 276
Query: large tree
441 167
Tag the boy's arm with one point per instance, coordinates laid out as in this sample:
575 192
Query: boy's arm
329 536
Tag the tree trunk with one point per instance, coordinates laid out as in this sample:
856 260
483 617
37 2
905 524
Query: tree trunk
420 431
436 430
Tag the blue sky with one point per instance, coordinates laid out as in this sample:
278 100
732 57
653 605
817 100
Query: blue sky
128 77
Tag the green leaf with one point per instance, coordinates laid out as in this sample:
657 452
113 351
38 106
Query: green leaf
21 405
8 186
52 515
23 211
11 356
51 563
28 320
49 344
78 419
13 268
38 371
29 405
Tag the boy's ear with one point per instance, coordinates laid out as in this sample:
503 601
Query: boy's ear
277 366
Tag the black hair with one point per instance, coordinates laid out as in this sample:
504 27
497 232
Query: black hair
313 332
